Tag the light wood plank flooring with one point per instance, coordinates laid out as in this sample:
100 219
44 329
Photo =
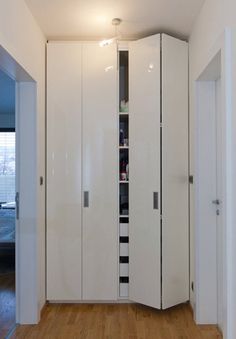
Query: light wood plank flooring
7 303
123 321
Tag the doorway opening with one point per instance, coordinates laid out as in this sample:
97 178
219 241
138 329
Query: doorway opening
7 203
209 195
19 174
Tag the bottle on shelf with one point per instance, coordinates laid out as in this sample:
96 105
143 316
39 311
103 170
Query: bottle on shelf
126 142
127 171
121 137
123 176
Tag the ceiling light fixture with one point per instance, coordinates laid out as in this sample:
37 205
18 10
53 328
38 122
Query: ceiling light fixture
115 22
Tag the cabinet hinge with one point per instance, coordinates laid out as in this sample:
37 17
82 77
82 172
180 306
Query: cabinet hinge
161 125
161 216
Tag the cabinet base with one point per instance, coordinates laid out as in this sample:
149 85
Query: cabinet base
119 301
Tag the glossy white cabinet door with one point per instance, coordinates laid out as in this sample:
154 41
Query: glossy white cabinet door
144 228
100 172
64 171
175 229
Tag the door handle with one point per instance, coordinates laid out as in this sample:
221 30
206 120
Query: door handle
216 202
86 199
155 200
17 201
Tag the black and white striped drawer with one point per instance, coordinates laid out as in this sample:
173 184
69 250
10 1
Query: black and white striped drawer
124 260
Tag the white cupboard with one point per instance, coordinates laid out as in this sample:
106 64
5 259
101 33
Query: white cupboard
81 172
96 249
158 225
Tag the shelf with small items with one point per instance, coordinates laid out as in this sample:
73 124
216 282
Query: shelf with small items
123 173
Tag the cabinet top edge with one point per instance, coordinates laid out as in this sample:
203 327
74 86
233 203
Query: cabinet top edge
123 45
120 43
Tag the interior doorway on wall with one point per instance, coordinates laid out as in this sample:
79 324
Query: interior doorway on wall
27 285
209 195
7 204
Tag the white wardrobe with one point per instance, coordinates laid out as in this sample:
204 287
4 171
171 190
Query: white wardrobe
81 172
83 179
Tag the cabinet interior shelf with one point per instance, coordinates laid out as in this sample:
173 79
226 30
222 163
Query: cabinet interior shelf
124 147
124 215
123 113
124 181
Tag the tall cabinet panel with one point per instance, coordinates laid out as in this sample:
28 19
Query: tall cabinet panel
100 164
64 171
175 241
158 230
144 168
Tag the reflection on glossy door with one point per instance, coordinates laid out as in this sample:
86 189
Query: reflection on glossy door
144 229
175 214
64 172
100 231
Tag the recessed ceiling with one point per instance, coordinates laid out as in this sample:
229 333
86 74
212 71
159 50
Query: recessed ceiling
91 19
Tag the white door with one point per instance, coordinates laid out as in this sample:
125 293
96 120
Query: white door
210 205
218 201
64 171
100 174
159 250
144 165
175 208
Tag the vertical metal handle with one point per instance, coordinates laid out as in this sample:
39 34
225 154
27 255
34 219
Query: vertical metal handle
155 200
17 200
86 199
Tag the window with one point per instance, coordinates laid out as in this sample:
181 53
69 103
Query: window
7 166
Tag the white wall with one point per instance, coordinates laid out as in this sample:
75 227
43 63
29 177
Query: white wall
24 41
214 17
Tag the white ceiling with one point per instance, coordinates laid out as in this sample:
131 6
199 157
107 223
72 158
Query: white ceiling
91 19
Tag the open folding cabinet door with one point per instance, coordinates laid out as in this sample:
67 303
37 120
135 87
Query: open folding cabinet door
159 235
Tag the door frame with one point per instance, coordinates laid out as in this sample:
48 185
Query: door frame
26 244
222 46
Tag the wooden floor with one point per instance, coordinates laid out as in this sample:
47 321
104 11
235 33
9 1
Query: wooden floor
7 303
121 321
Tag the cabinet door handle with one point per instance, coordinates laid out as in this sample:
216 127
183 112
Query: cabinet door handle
17 200
86 199
155 200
